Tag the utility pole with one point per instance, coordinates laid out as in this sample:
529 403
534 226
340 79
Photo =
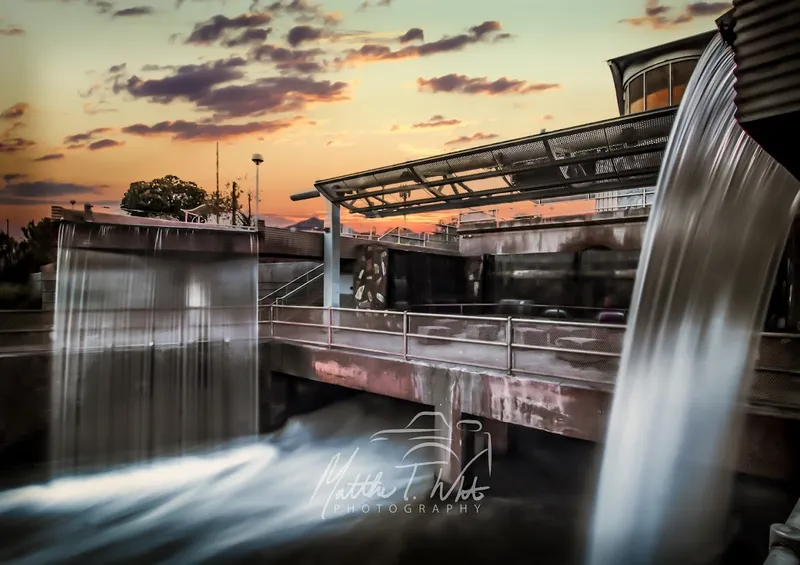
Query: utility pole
216 194
234 201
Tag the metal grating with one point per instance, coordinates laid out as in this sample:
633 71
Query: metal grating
614 154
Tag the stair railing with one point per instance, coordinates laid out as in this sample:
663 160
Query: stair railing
281 300
286 289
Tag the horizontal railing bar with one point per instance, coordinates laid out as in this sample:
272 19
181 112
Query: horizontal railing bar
776 335
368 331
384 313
564 350
513 305
459 340
302 324
550 322
458 316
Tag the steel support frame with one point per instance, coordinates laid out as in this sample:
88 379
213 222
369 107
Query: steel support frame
611 155
332 256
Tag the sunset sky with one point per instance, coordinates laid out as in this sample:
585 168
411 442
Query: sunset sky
97 94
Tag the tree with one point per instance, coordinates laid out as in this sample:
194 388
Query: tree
39 241
9 253
164 197
19 260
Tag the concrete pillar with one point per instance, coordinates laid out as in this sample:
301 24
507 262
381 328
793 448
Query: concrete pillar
497 433
272 394
447 402
332 256
793 252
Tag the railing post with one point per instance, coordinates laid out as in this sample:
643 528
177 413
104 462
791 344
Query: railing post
272 320
405 335
330 328
509 349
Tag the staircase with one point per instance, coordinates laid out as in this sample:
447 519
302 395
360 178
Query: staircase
305 290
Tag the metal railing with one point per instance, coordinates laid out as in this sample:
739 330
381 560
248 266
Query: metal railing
517 309
304 289
402 236
562 349
557 348
292 285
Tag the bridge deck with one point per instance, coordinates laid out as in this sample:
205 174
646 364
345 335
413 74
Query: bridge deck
586 354
556 376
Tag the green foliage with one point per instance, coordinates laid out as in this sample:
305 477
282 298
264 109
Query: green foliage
9 252
39 243
19 260
165 197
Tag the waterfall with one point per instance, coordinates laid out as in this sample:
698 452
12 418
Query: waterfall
721 217
155 344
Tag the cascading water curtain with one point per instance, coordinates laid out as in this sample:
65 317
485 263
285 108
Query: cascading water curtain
721 217
156 350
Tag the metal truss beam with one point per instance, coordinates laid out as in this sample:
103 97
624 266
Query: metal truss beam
610 155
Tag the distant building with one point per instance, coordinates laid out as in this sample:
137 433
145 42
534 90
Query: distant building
651 79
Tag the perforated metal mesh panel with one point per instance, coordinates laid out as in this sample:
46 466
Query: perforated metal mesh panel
620 153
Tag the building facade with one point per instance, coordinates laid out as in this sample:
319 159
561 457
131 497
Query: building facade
651 79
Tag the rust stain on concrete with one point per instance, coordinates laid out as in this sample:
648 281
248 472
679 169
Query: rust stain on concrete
350 376
549 406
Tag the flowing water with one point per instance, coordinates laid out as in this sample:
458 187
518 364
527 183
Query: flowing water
217 506
288 499
157 355
155 350
722 214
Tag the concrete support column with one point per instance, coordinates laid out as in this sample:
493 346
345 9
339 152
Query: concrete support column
332 255
272 394
447 402
793 252
498 432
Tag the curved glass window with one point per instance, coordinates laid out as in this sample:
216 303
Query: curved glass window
659 87
681 73
636 95
656 84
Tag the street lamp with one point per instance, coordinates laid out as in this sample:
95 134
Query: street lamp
257 159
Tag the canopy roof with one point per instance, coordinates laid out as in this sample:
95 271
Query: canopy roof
619 153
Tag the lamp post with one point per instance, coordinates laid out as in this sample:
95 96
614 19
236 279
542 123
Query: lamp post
257 159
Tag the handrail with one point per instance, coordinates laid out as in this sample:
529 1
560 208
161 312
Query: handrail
411 238
606 348
387 232
280 299
277 290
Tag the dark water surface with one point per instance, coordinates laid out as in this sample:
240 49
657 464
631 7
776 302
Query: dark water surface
254 503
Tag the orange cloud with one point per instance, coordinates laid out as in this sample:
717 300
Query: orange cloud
657 16
463 84
466 139
373 52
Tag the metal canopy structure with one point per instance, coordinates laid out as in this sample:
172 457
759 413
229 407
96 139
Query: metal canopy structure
624 152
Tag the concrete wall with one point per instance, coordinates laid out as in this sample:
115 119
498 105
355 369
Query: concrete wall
618 230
